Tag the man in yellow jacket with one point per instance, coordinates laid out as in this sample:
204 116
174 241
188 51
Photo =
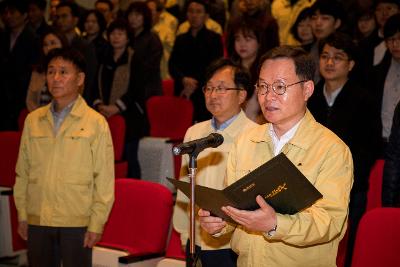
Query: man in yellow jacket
64 187
310 237
225 91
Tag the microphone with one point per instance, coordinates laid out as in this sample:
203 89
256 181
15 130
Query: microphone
198 145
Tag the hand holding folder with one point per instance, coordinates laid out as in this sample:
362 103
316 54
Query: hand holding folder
278 181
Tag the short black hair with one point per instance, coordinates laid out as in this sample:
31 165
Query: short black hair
304 14
20 5
120 24
241 76
108 2
377 2
70 55
72 6
392 26
101 21
41 4
142 8
329 7
204 3
340 41
303 62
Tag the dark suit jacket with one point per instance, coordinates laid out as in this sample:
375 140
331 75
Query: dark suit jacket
190 58
391 170
353 120
376 80
15 72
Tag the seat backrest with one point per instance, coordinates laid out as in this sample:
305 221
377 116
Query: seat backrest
168 87
174 248
140 218
9 147
374 195
377 240
169 116
117 128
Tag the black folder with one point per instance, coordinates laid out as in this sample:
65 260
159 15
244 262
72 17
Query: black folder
278 180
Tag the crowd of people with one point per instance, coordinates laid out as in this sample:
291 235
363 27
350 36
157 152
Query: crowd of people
240 63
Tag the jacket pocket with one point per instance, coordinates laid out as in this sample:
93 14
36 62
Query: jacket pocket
76 157
77 198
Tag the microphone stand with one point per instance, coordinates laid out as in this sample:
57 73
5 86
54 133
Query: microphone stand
192 215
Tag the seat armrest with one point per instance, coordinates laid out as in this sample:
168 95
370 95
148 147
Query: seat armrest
136 258
7 192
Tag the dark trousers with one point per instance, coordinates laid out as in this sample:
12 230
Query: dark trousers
212 258
131 155
51 246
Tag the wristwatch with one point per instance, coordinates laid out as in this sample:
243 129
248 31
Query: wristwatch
272 232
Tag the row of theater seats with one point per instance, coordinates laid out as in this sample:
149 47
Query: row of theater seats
373 201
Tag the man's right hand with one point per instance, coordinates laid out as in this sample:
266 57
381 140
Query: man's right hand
212 225
23 230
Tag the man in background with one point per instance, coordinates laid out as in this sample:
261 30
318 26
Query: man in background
193 51
225 90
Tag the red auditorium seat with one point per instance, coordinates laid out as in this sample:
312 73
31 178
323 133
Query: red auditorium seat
117 128
374 195
174 249
175 256
377 240
11 243
9 147
170 117
139 221
168 87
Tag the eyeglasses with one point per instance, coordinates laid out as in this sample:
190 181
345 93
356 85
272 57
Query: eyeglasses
335 59
207 90
278 87
393 40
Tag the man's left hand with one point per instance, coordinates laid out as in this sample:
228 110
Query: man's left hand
91 239
260 220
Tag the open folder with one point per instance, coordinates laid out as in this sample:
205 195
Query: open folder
281 184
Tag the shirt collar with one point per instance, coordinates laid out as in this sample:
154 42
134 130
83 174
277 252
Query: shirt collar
330 98
306 127
223 125
65 110
285 137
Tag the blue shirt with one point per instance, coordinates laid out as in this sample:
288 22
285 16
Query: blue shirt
223 125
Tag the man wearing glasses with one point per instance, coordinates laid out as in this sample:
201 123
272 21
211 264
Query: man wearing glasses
310 237
225 90
342 105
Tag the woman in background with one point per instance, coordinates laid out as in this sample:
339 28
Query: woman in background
123 88
94 27
147 46
301 29
248 47
38 94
